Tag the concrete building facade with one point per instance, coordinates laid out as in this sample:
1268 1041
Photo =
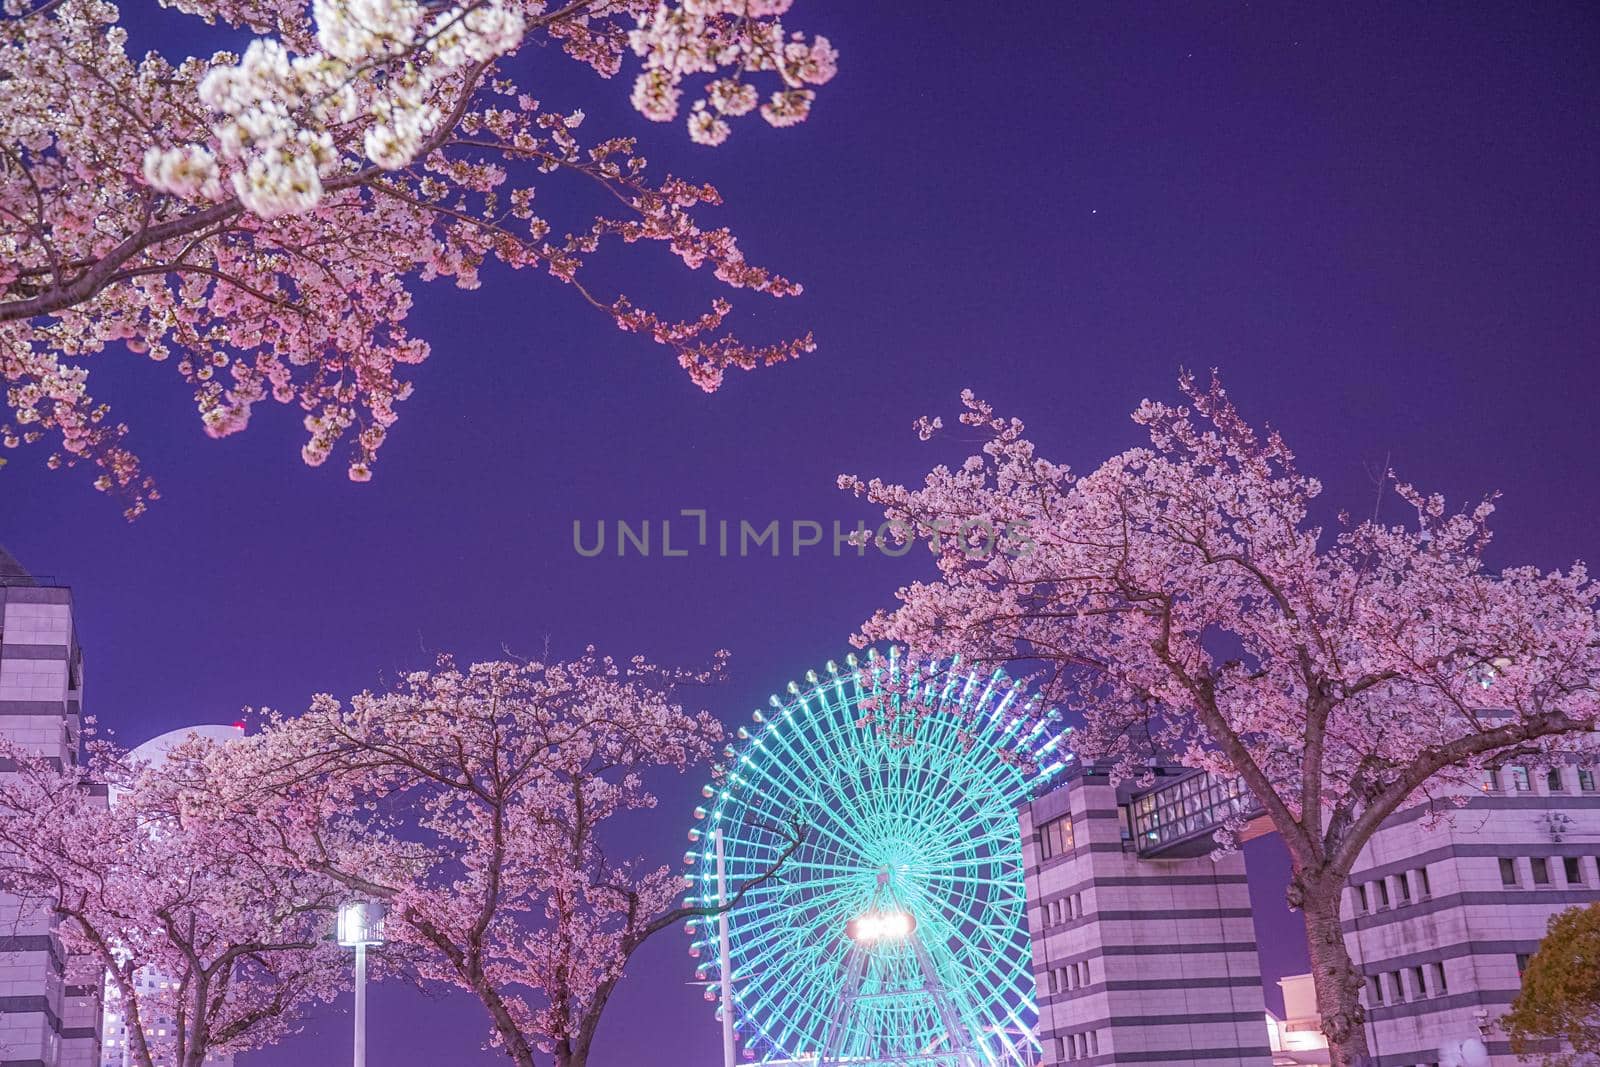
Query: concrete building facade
49 1011
1137 961
1447 904
1144 947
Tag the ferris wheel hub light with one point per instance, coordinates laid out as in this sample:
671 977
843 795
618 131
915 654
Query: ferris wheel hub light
884 926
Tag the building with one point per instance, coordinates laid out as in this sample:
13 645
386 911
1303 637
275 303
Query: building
1297 1038
115 1051
49 1011
1447 904
1144 950
1137 960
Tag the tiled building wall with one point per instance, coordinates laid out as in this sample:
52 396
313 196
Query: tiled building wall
1446 904
1136 961
44 1022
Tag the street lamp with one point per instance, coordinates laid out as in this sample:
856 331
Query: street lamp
360 925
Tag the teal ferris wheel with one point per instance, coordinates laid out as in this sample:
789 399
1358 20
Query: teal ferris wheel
895 933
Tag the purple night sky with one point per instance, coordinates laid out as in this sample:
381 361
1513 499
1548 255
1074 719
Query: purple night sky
1380 223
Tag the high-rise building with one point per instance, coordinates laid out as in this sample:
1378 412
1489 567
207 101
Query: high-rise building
1144 950
49 1011
1446 905
1137 960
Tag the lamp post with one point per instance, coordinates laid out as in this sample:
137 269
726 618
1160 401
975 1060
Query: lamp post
724 955
360 925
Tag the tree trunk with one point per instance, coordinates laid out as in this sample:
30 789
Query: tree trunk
1337 980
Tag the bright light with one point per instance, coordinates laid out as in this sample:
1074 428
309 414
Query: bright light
884 926
360 923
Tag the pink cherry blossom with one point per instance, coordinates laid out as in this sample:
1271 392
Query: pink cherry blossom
1184 601
258 220
146 887
477 802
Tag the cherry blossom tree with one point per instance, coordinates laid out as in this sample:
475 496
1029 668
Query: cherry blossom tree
1184 601
258 219
207 950
488 791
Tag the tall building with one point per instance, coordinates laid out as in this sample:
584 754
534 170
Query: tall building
49 1012
1144 949
1137 960
1447 904
115 1050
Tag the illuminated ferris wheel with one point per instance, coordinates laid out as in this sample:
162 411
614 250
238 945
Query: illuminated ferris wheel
895 934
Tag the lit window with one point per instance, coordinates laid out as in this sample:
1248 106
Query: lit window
1055 837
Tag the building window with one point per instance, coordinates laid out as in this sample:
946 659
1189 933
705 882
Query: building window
1383 893
1397 983
1055 837
1083 979
1553 781
1541 870
1491 780
1094 1042
1586 779
1440 986
1424 884
1574 866
1050 981
1402 882
1361 900
1377 988
1519 779
1508 871
1522 964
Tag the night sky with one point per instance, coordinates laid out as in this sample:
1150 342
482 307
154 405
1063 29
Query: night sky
1379 222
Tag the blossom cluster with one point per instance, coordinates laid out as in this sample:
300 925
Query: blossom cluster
382 57
256 222
730 39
